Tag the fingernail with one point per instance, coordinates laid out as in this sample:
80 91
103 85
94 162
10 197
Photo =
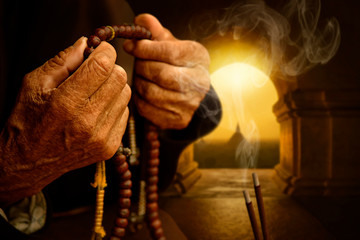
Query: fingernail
79 42
129 45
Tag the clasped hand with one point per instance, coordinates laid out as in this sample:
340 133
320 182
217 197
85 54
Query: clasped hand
71 113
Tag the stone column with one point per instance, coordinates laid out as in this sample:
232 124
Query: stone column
319 142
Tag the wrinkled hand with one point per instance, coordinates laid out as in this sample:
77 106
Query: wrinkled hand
69 114
171 75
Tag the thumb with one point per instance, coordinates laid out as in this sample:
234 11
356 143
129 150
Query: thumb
158 32
52 73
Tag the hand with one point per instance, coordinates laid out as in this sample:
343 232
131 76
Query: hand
68 114
171 76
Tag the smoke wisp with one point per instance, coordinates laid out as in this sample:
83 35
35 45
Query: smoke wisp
292 38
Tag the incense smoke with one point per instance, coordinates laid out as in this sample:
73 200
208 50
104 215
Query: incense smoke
294 39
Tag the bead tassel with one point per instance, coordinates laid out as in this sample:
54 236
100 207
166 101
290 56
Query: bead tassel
100 184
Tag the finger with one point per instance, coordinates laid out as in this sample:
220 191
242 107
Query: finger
158 32
115 128
178 53
118 129
91 74
112 88
166 99
180 79
56 70
107 122
160 117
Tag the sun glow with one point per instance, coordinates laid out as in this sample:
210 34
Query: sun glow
247 96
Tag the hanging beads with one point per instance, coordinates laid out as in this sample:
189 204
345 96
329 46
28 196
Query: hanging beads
124 202
152 170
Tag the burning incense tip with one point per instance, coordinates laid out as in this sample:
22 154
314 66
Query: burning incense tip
247 196
256 179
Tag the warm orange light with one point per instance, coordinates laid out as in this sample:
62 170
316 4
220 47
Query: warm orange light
247 96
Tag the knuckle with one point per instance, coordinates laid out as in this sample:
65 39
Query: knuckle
147 93
29 77
104 147
121 75
203 52
58 60
164 75
108 149
144 90
183 121
85 127
158 76
101 65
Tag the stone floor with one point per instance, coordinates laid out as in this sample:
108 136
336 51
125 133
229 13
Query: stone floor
214 209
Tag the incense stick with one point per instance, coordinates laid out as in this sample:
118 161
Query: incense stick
251 213
260 203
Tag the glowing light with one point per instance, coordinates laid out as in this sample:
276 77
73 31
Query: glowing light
247 96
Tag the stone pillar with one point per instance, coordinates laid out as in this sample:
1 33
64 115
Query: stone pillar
187 172
319 142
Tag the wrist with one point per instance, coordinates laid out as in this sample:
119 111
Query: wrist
14 184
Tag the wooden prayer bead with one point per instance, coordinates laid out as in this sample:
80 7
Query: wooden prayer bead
122 168
126 175
93 41
101 33
156 224
123 212
153 180
119 159
152 171
153 197
108 33
124 202
152 135
153 162
137 31
118 231
154 144
125 184
152 216
151 188
125 193
121 222
154 153
116 29
159 232
88 51
128 31
152 207
120 31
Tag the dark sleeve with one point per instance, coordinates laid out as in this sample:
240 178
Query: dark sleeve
173 142
205 119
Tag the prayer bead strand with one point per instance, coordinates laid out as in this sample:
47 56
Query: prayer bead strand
108 33
152 170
